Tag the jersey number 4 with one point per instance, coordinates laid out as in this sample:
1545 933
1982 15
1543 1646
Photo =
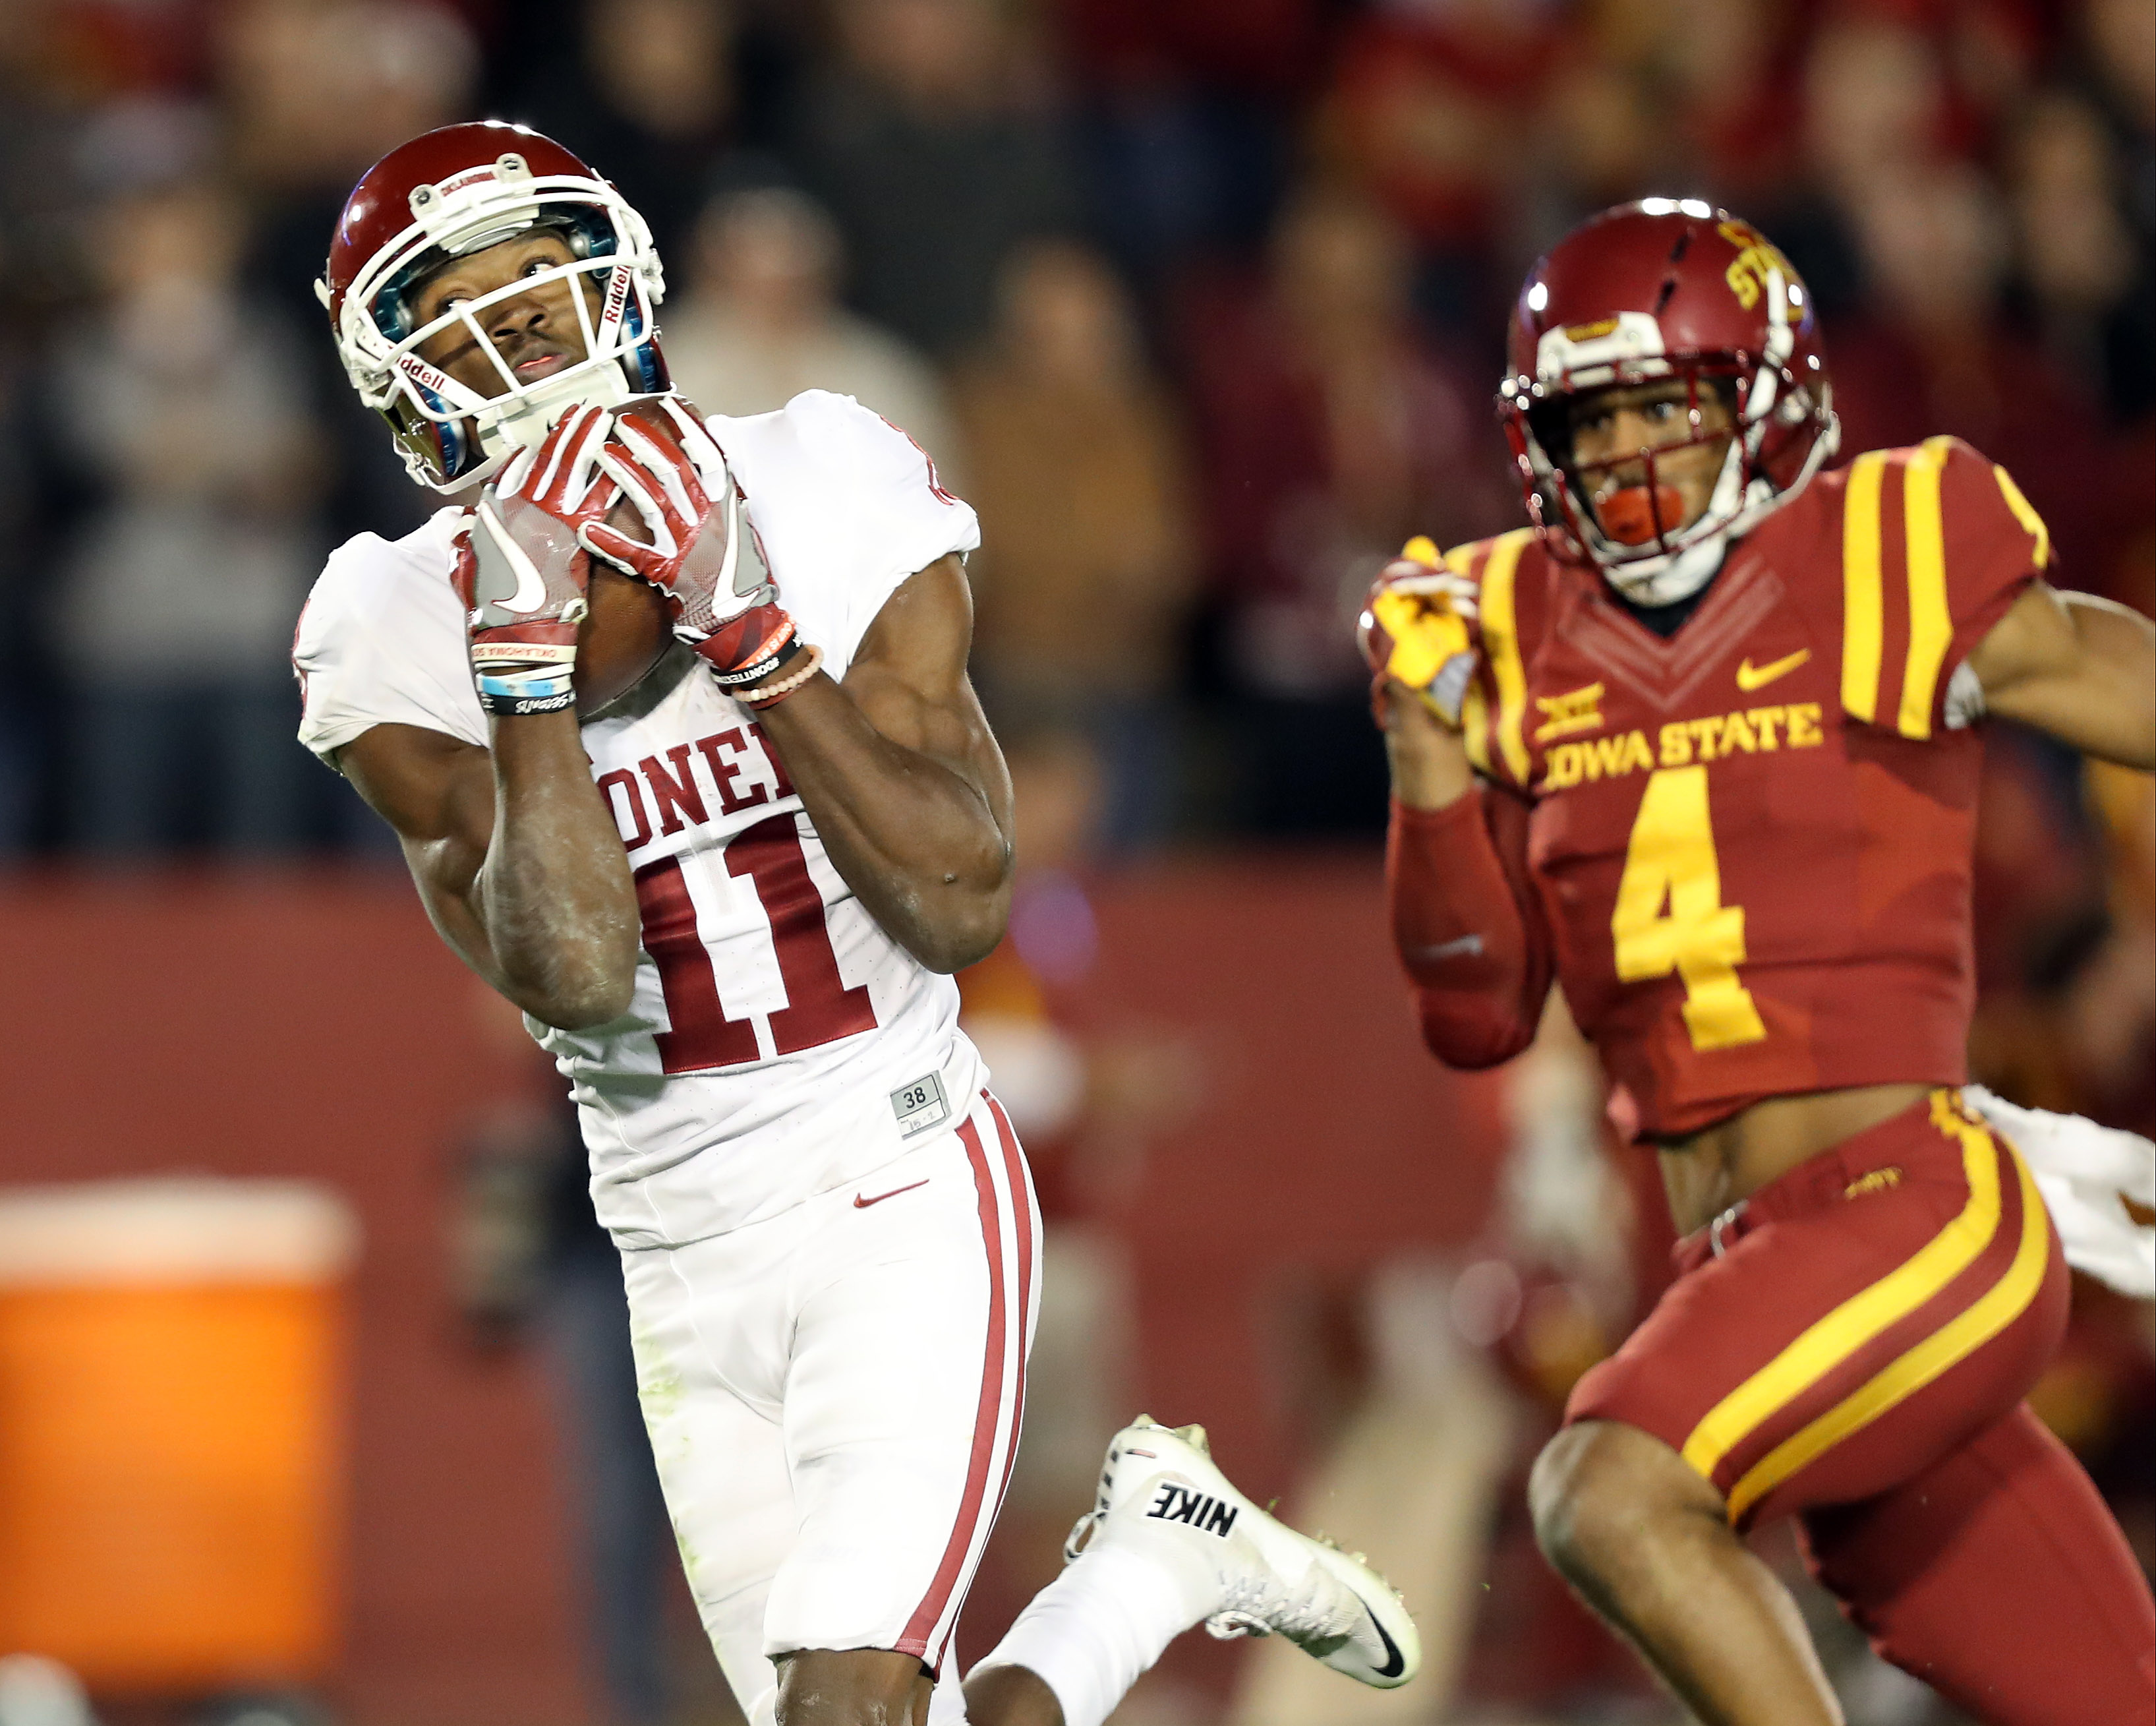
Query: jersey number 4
1670 863
819 1009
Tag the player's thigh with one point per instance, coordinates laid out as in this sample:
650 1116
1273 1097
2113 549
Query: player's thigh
1999 1577
720 1453
1879 1307
903 1395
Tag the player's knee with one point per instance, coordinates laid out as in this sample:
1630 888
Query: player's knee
1601 1488
849 1687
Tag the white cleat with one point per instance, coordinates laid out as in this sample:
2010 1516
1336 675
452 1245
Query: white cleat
1160 1482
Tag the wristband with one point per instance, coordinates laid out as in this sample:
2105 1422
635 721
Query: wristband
534 689
769 694
783 643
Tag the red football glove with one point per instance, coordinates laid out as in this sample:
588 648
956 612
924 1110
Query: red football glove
702 552
522 574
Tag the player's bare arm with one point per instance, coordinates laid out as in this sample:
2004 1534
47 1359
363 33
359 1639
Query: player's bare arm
1430 765
904 780
894 762
2078 668
516 859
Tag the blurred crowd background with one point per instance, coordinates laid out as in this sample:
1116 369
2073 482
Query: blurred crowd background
1201 303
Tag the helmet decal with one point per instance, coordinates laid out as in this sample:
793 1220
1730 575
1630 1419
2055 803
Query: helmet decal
1757 259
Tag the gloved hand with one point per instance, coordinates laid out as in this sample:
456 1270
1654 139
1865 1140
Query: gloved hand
2084 1171
1413 630
521 573
702 553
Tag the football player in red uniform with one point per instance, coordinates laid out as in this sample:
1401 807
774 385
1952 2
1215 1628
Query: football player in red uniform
1699 746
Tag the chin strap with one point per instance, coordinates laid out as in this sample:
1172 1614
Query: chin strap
1674 577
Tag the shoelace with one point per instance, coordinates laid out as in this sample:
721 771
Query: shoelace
1315 1610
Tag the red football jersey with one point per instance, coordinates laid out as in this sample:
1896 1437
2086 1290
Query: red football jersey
1751 842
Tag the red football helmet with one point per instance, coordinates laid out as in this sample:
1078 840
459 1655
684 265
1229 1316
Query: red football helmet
456 191
1664 288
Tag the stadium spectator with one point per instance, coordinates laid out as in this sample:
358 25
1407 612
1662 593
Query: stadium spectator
921 142
761 322
2120 81
1333 427
654 97
1933 353
1431 110
1084 580
311 93
178 401
530 1260
2075 254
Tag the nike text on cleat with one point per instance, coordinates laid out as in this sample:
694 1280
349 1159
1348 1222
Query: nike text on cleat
1160 1491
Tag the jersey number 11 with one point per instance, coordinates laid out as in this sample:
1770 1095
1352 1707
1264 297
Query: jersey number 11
819 1008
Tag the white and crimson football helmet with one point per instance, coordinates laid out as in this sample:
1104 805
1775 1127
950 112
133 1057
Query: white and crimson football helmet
1666 289
456 191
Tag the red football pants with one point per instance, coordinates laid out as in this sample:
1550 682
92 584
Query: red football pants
1851 1347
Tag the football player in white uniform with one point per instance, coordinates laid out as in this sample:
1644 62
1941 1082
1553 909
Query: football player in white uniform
674 724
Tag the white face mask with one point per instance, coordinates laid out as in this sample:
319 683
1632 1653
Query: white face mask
468 213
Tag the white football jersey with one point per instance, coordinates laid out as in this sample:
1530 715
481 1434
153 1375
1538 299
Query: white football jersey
779 1043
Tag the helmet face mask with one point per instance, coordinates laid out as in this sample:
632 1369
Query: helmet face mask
1653 290
462 190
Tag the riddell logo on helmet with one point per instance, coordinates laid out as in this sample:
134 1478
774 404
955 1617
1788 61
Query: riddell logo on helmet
1589 332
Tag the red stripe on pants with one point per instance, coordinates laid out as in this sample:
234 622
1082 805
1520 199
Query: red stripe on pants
1014 1169
920 1628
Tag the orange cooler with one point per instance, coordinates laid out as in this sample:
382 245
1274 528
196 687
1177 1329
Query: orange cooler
171 1444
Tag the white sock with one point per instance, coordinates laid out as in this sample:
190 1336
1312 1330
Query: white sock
1090 1633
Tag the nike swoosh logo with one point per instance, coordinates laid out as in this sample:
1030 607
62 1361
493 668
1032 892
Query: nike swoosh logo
861 1203
725 584
530 591
1395 1662
1462 947
1750 677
